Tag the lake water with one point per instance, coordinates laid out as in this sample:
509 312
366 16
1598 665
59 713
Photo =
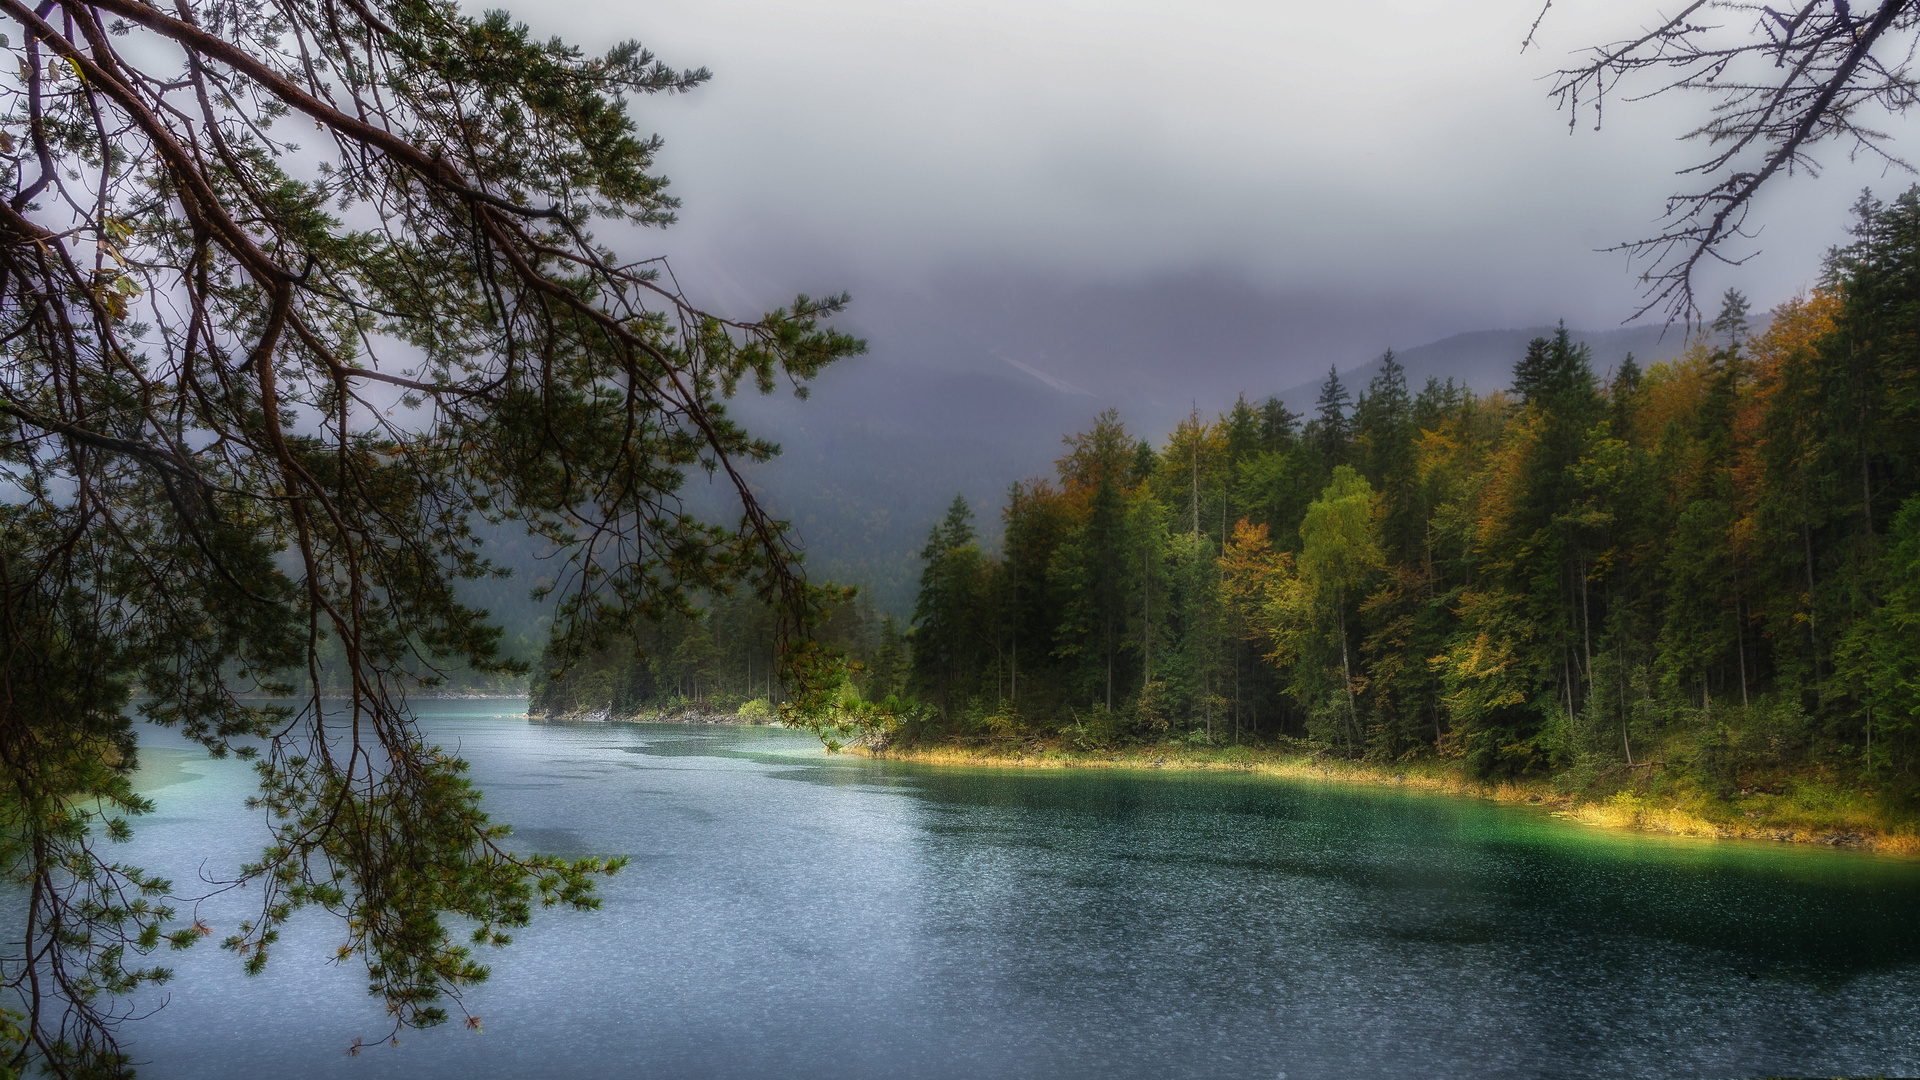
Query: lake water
789 914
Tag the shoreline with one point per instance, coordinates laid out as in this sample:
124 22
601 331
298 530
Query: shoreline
1622 811
687 718
452 695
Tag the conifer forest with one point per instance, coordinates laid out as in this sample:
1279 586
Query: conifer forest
1707 568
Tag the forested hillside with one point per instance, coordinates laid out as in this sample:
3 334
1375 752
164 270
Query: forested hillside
1710 567
973 390
1712 564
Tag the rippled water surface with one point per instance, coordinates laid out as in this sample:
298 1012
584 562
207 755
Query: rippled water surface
787 914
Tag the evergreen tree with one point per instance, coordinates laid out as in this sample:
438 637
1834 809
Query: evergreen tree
1093 564
947 620
1732 320
1547 524
891 663
1787 498
1884 649
1149 538
1555 374
1383 439
1242 427
1329 432
1279 426
1145 461
1620 397
1703 564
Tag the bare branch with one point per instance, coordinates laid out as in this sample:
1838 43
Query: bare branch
1787 83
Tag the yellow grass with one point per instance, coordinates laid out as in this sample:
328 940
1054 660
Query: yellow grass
1784 820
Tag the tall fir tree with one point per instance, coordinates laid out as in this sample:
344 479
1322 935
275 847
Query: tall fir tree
1330 431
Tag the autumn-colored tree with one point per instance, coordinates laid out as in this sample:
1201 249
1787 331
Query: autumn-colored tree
1704 564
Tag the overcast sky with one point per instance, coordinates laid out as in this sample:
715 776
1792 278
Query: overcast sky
1401 150
1046 207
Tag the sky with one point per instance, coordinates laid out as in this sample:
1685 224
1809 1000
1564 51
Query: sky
1402 153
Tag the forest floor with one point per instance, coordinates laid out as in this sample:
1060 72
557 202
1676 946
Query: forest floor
1803 807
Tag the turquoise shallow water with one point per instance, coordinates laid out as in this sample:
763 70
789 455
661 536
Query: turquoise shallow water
789 914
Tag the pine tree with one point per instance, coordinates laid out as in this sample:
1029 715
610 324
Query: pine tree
1620 397
1242 427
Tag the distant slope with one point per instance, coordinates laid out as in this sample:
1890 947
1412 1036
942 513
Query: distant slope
1483 359
974 379
877 452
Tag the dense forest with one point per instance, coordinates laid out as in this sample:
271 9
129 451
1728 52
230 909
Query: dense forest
722 659
1722 551
1711 564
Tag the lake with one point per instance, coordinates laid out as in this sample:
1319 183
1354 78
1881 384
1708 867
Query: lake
791 914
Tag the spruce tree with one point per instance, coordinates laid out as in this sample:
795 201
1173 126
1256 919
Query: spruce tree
946 615
1732 320
1330 432
1279 426
1555 373
1384 434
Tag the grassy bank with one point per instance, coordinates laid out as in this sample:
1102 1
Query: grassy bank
1803 808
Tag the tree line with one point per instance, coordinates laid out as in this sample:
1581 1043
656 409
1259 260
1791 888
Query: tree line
723 656
1718 556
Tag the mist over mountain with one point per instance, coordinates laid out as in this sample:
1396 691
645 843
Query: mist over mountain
1025 252
972 381
971 384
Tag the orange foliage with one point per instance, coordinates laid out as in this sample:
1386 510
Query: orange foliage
1774 426
1030 495
1505 484
1671 396
1253 576
1247 566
